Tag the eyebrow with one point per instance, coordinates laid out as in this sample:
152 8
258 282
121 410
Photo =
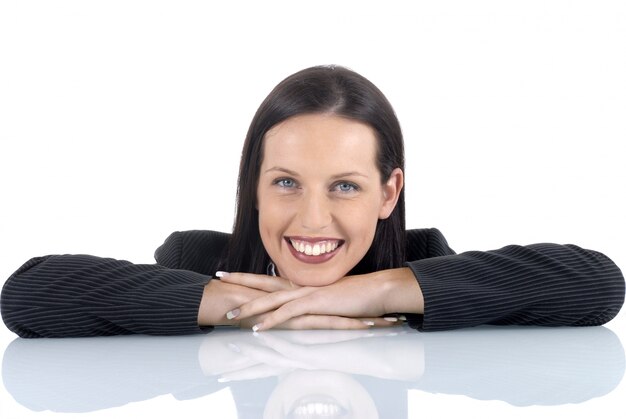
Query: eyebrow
337 176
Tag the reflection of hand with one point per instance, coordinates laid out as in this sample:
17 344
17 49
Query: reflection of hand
219 352
222 352
276 352
354 302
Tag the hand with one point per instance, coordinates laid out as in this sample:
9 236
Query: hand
222 298
354 302
219 297
258 282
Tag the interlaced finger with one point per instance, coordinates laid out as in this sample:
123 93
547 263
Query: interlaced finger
268 303
284 318
256 281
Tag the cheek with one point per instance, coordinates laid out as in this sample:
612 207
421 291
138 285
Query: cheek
273 222
267 226
361 223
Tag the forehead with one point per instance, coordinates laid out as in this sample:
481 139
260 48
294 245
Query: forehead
320 139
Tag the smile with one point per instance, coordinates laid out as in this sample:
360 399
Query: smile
313 250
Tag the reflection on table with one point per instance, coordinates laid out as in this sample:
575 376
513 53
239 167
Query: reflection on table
330 374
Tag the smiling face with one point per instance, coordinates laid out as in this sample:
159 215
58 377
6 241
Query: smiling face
320 195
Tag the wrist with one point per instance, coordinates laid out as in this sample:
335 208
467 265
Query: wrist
401 291
216 301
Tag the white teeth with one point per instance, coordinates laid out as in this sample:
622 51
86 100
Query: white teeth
317 410
315 249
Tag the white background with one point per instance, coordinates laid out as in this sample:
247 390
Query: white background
121 121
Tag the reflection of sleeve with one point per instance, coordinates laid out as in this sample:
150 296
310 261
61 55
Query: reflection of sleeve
533 366
540 284
81 295
84 375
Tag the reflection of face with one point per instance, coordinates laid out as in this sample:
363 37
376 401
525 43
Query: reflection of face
319 196
320 394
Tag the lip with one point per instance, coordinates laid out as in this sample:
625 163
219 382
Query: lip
312 258
309 405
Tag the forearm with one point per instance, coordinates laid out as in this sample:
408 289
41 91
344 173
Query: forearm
82 295
542 284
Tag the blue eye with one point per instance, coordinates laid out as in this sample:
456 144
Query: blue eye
347 187
285 183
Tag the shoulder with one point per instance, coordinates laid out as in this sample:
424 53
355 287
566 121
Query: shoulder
195 250
424 243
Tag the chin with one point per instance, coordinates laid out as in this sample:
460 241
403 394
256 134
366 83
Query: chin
316 282
313 279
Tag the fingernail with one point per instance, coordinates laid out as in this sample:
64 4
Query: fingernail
256 327
368 323
390 319
401 317
233 313
221 274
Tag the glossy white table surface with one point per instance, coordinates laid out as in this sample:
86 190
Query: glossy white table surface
503 372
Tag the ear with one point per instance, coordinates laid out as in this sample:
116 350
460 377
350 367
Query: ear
391 193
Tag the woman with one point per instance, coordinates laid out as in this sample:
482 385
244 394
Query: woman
319 242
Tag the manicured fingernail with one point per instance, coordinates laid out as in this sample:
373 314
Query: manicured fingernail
221 274
390 319
256 327
368 323
233 313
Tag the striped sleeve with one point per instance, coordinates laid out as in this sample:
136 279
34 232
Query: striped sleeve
82 295
541 284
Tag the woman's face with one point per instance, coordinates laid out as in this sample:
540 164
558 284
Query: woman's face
320 196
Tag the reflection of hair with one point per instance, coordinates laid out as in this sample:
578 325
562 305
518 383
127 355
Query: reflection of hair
323 89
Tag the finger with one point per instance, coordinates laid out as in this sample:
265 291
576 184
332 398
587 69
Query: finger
256 281
214 368
381 321
312 300
306 355
320 322
252 373
295 308
287 315
267 355
304 338
268 303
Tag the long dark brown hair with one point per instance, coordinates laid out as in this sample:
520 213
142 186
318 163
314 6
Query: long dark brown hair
322 89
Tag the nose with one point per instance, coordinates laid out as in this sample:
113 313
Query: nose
315 212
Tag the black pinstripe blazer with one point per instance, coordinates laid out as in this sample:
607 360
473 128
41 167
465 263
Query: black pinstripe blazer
83 295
